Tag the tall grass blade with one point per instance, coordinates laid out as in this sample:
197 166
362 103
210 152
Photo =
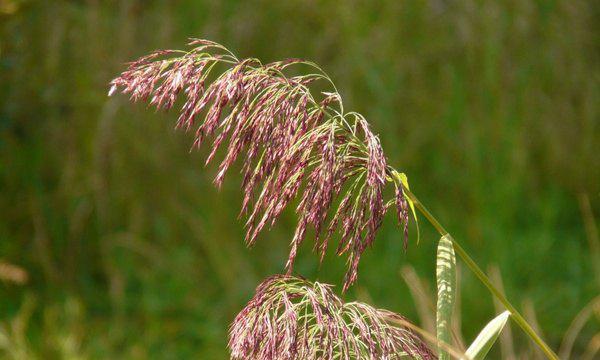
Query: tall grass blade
422 297
446 286
592 348
531 317
591 230
487 337
507 347
576 326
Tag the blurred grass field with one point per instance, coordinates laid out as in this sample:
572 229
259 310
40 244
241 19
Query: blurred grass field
491 108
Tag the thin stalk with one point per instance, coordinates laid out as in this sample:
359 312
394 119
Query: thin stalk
518 318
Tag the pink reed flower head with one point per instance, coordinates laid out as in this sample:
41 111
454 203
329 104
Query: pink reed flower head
294 144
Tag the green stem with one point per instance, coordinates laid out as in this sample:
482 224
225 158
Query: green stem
518 318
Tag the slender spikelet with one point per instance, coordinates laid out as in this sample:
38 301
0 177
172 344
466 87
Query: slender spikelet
291 318
295 143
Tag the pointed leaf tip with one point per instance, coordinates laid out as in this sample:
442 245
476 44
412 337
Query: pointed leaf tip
487 337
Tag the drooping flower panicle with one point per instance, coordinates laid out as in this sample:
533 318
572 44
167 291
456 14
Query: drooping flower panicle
294 143
291 318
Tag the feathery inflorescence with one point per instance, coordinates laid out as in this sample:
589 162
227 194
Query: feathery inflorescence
291 318
295 143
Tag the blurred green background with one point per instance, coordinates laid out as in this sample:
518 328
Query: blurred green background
114 243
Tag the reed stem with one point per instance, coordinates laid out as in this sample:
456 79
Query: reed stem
518 318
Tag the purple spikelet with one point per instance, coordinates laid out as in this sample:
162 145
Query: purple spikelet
292 142
290 318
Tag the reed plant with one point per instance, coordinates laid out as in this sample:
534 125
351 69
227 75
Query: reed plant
300 146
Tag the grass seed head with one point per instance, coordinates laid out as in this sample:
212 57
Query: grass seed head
291 318
295 143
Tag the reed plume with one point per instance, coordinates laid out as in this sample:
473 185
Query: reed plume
291 318
295 142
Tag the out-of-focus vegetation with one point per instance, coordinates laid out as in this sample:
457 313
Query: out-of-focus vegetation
491 108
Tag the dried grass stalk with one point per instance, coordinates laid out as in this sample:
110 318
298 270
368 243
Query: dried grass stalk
294 142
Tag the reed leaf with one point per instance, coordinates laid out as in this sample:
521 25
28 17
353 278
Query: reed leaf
446 286
487 337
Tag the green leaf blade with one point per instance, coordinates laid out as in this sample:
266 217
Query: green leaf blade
487 337
446 287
